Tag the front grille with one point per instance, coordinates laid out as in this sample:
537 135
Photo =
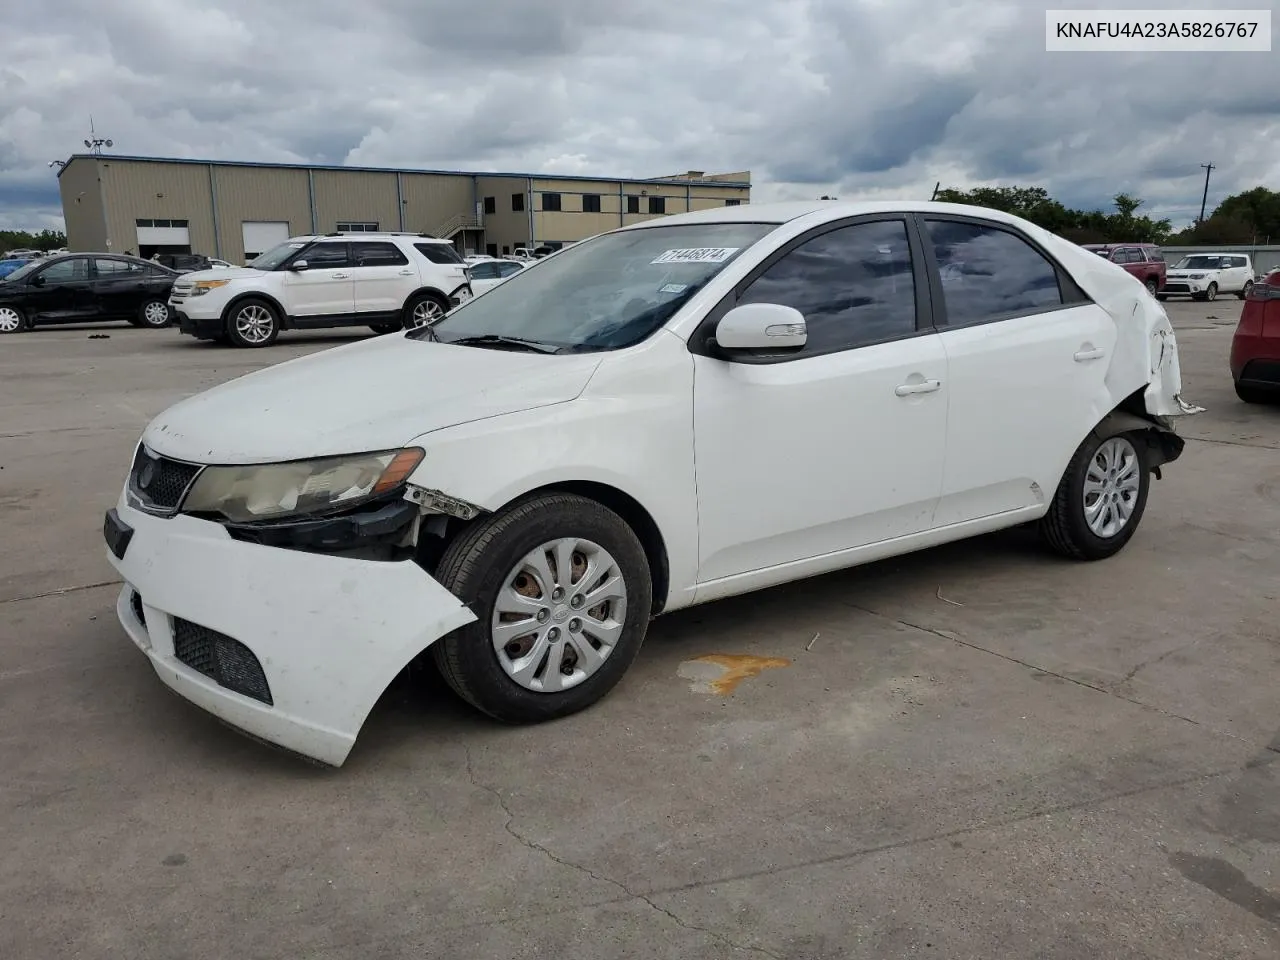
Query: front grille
159 482
135 602
224 660
1173 286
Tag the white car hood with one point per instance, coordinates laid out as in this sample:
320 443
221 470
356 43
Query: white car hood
222 273
374 395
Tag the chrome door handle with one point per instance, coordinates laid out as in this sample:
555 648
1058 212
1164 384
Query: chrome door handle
341 276
406 273
927 386
1095 353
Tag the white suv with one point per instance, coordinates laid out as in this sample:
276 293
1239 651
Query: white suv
386 281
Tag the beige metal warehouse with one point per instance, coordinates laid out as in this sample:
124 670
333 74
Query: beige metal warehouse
235 210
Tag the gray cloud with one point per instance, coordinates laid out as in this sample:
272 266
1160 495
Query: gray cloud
874 98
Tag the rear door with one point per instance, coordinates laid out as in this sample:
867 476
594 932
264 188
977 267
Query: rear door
1027 356
119 287
382 276
323 292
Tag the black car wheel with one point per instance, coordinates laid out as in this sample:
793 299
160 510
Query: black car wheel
12 320
154 313
253 323
1153 285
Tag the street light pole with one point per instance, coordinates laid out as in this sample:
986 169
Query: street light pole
1208 169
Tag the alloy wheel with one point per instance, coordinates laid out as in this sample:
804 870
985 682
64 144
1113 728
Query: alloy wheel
1112 484
10 320
424 312
156 314
559 615
254 323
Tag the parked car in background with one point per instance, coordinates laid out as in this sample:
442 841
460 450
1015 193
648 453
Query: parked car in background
385 281
10 264
1255 348
487 274
86 288
1144 260
216 264
1202 276
517 489
183 262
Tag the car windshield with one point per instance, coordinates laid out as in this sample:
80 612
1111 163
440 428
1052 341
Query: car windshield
9 266
602 294
277 255
1198 263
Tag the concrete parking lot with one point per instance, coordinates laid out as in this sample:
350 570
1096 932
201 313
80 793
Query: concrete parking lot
978 751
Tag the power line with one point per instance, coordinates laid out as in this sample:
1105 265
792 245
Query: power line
1208 169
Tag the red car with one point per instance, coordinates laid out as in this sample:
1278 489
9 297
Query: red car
1255 350
1144 260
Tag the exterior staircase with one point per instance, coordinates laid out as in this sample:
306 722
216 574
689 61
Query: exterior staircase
463 221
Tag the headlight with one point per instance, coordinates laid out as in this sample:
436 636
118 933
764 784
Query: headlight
263 492
1195 276
204 286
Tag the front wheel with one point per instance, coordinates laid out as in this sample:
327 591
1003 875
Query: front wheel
253 323
1211 293
562 592
12 320
424 309
1244 292
1100 499
155 314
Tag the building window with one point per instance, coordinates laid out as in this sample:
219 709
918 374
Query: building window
161 223
517 201
591 203
505 250
357 226
490 204
732 202
657 204
633 204
491 249
551 202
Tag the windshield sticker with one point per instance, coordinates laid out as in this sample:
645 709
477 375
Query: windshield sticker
673 288
697 255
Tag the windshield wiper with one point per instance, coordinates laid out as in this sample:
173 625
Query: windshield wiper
498 340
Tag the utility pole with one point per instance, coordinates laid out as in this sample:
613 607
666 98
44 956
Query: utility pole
935 191
1208 169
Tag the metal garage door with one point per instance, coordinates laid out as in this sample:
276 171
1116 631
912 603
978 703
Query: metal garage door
261 235
163 233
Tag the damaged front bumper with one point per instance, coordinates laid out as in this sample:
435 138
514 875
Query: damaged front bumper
292 646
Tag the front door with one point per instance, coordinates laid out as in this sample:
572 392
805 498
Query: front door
1027 356
382 275
61 292
324 289
842 444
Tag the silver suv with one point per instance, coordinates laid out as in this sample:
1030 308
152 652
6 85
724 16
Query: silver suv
386 281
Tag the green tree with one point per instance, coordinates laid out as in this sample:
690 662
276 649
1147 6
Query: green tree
1218 230
24 240
1258 208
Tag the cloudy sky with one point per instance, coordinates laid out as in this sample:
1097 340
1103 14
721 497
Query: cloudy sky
857 98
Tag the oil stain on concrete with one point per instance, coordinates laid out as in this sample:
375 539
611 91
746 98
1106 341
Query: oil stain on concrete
720 673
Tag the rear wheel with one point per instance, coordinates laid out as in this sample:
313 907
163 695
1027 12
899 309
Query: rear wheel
381 328
563 595
1162 297
1244 293
12 320
1100 499
253 323
424 309
154 313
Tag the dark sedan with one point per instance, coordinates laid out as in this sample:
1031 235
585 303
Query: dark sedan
86 288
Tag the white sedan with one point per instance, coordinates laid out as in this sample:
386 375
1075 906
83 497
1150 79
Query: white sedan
487 274
673 412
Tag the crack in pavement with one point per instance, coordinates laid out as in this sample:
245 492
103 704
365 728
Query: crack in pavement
1138 668
628 894
1107 691
61 590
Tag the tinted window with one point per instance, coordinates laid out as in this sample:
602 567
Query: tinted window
484 271
438 252
490 204
326 256
115 269
76 268
370 254
657 204
1238 261
591 203
988 273
507 269
517 201
633 204
854 286
551 201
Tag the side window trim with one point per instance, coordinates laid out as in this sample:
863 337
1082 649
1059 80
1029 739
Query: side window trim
699 340
1068 289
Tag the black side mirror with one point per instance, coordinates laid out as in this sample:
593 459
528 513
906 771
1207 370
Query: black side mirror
37 280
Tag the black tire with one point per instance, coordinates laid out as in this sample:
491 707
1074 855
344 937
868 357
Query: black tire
149 305
1162 297
1251 393
1243 294
13 320
1211 292
1152 285
241 312
381 328
409 315
1065 529
475 567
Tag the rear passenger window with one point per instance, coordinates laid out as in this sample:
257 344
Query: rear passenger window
854 286
372 254
990 274
439 252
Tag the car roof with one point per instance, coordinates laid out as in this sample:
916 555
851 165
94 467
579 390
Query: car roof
375 235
